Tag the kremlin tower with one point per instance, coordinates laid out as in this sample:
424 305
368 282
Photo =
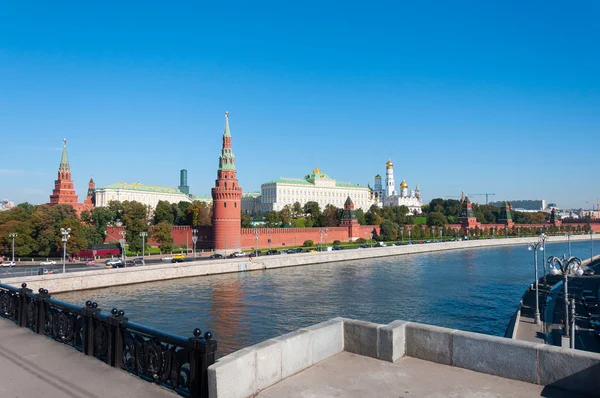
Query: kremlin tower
227 199
64 191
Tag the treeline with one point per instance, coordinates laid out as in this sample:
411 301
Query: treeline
486 214
38 226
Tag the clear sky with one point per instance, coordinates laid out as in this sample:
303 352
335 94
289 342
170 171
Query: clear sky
481 96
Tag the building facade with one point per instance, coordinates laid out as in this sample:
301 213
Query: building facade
148 195
251 203
391 197
227 200
314 187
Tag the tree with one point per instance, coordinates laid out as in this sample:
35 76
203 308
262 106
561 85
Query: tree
246 221
163 212
373 216
162 234
198 214
436 219
389 230
136 221
272 219
297 210
313 209
285 215
308 243
360 216
330 216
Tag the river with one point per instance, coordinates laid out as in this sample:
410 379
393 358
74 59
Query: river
476 290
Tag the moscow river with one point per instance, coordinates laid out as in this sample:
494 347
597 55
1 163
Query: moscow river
475 289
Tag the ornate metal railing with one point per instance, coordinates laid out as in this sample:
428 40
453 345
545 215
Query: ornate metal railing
171 361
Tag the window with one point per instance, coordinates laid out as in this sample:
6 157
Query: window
234 204
224 204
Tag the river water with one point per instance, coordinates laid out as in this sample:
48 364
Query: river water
476 290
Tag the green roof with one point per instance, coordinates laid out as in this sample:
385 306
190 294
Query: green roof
293 181
348 185
142 187
251 195
64 159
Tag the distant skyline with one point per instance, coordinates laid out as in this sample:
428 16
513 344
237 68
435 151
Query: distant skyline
470 95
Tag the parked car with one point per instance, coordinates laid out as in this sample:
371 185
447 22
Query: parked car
216 255
255 254
130 263
291 251
338 248
48 262
381 244
139 261
271 252
364 246
8 264
91 262
589 272
47 271
117 264
311 251
167 258
237 254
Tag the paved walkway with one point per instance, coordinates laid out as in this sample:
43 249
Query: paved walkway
350 375
35 366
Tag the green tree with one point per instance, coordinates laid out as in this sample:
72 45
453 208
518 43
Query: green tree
308 243
436 219
331 216
313 209
162 235
272 219
135 219
246 221
389 230
286 215
198 214
360 216
163 212
297 210
373 216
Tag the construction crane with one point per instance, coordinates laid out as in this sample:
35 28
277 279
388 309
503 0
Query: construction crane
475 194
597 203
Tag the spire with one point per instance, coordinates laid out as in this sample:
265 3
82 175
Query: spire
64 160
226 133
417 188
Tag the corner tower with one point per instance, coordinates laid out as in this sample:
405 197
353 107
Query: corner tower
227 199
64 192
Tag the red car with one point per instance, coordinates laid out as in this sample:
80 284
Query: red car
91 262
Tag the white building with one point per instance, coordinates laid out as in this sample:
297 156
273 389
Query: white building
148 195
315 187
391 197
6 204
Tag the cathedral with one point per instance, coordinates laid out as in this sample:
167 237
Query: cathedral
388 196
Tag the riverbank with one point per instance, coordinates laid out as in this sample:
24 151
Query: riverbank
58 283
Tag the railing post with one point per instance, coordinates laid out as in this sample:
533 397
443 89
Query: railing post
115 339
40 300
22 314
89 310
202 355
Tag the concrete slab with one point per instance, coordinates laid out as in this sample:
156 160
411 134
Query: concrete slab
351 375
35 366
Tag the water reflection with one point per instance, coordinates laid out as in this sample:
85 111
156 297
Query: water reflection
475 290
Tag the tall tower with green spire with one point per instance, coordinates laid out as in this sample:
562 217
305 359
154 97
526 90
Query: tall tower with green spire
227 200
64 192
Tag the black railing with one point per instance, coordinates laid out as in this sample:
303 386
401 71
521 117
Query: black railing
171 361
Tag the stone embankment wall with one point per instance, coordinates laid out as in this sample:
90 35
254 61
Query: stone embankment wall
57 283
245 372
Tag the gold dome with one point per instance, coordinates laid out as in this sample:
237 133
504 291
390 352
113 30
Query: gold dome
389 164
403 184
316 170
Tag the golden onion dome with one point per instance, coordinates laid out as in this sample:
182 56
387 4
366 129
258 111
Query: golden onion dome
316 170
403 184
389 164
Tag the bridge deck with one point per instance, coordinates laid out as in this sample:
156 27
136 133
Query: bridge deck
351 375
35 366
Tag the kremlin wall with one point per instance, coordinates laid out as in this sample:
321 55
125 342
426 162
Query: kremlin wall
226 235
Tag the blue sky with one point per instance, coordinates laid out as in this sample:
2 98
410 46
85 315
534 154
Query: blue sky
464 95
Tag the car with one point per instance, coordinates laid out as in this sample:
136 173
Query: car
311 251
8 264
91 262
139 261
48 262
47 271
337 248
589 272
117 264
130 263
291 251
216 255
167 258
380 244
255 254
238 254
272 252
364 246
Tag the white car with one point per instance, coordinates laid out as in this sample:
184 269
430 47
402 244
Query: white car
8 264
237 254
48 262
168 258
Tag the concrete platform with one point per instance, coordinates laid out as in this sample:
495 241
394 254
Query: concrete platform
35 366
351 375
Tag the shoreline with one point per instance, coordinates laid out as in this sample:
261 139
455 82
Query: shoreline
88 280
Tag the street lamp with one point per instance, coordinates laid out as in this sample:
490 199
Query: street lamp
402 234
409 232
13 235
591 246
535 246
565 266
371 239
65 238
568 235
543 238
256 247
143 235
519 231
123 233
194 240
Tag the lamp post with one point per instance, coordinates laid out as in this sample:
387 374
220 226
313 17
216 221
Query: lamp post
123 233
65 238
565 266
13 235
256 236
591 245
534 247
402 234
270 231
543 238
194 241
432 233
506 228
519 231
320 239
409 232
143 235
568 235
